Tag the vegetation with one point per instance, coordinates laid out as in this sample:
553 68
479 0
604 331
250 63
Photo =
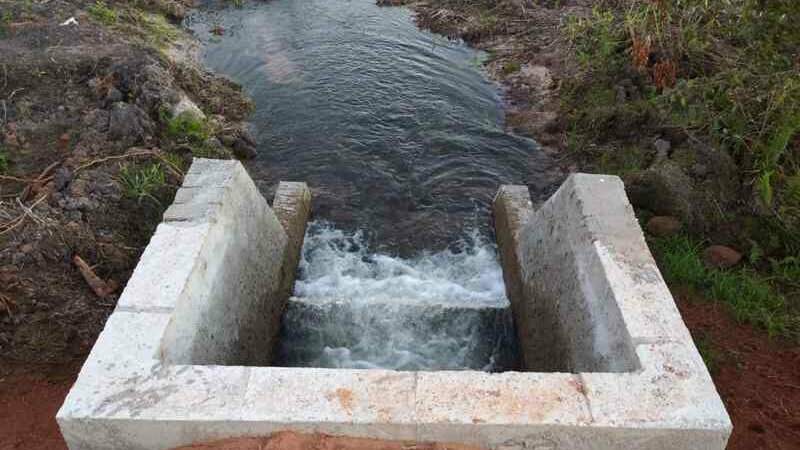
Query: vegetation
3 160
5 20
142 181
153 29
102 13
187 127
722 75
753 297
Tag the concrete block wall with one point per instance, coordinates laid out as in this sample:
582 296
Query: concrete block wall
635 382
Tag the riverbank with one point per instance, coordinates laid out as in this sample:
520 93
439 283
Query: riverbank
102 108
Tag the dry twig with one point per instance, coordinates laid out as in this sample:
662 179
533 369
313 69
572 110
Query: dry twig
101 288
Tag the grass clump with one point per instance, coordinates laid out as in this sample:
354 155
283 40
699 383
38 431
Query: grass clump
753 298
3 160
141 182
187 127
102 13
511 67
153 29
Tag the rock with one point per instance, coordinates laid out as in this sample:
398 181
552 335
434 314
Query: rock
243 150
129 124
186 105
721 257
113 95
699 170
662 146
247 137
228 139
665 190
663 226
62 178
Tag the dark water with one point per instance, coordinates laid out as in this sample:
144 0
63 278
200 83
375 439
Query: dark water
396 130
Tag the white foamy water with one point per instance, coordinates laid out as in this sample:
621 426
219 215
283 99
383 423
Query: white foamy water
357 309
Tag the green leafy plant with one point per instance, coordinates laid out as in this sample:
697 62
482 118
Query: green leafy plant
3 160
188 127
753 298
102 13
141 182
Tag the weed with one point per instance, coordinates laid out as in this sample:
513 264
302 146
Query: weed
5 22
103 13
187 127
753 298
711 356
3 160
142 181
154 29
511 67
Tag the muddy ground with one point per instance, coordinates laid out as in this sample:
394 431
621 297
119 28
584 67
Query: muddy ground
81 104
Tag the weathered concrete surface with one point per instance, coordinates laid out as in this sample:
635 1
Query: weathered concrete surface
588 298
582 268
292 206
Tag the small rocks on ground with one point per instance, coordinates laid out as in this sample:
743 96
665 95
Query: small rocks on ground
721 257
663 226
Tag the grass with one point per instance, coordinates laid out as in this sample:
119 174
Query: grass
753 297
711 356
102 13
4 163
5 21
511 67
187 127
141 182
154 29
723 74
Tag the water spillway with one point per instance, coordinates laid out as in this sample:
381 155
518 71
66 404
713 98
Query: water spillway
401 137
356 309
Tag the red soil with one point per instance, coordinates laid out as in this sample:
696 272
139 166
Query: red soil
757 377
29 399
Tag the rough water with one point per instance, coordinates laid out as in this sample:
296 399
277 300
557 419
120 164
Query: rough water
401 138
358 309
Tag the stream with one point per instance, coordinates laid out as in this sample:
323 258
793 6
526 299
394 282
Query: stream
401 137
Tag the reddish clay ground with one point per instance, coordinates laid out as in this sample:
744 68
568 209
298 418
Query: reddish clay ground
758 378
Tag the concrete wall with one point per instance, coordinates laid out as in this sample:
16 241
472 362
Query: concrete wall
565 305
130 395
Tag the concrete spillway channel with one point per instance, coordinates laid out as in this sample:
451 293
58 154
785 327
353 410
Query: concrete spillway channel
185 357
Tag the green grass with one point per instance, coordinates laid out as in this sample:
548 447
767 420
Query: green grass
141 182
5 20
511 67
154 29
3 160
102 13
187 127
711 356
753 298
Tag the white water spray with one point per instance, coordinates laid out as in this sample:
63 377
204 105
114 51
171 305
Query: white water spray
357 309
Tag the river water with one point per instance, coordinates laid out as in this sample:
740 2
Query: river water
401 137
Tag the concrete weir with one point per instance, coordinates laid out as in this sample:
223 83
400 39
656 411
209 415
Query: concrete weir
185 356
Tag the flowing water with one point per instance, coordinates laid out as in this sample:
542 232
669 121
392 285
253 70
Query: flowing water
401 138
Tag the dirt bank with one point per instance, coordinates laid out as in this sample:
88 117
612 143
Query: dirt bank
92 151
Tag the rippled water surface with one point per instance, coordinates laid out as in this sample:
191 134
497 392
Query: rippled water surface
397 130
401 138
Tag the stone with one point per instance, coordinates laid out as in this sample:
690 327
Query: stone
128 124
721 257
243 150
62 178
663 226
665 190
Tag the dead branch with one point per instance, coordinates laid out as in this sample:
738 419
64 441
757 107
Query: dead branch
101 288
